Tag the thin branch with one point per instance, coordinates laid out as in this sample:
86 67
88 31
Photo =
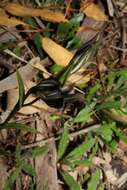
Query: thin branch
71 135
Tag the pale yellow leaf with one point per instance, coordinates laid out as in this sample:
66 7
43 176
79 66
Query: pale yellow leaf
11 22
45 14
59 54
92 10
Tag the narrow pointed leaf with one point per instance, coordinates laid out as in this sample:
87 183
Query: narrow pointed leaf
21 89
81 149
17 126
38 151
70 181
94 182
27 168
63 143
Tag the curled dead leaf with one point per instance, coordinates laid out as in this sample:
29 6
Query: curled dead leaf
45 14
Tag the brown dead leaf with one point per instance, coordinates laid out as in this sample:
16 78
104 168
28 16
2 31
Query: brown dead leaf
92 10
45 14
59 54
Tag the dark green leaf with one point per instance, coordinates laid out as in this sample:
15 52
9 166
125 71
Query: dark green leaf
95 178
18 152
27 168
37 38
63 143
18 126
70 181
30 21
21 89
81 149
38 151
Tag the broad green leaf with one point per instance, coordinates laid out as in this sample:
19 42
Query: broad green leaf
38 151
21 89
27 168
70 181
81 149
105 131
85 114
63 143
94 181
19 126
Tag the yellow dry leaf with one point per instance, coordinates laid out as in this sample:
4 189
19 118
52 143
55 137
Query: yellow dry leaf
59 54
5 21
92 10
45 14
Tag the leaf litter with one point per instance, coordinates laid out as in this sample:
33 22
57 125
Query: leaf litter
70 60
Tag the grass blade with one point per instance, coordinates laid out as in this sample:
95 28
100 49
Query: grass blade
92 185
21 89
70 181
63 143
81 149
19 126
27 168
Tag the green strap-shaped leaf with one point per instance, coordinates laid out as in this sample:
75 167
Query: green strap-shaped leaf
94 181
70 181
81 149
21 89
18 126
38 151
28 169
63 143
